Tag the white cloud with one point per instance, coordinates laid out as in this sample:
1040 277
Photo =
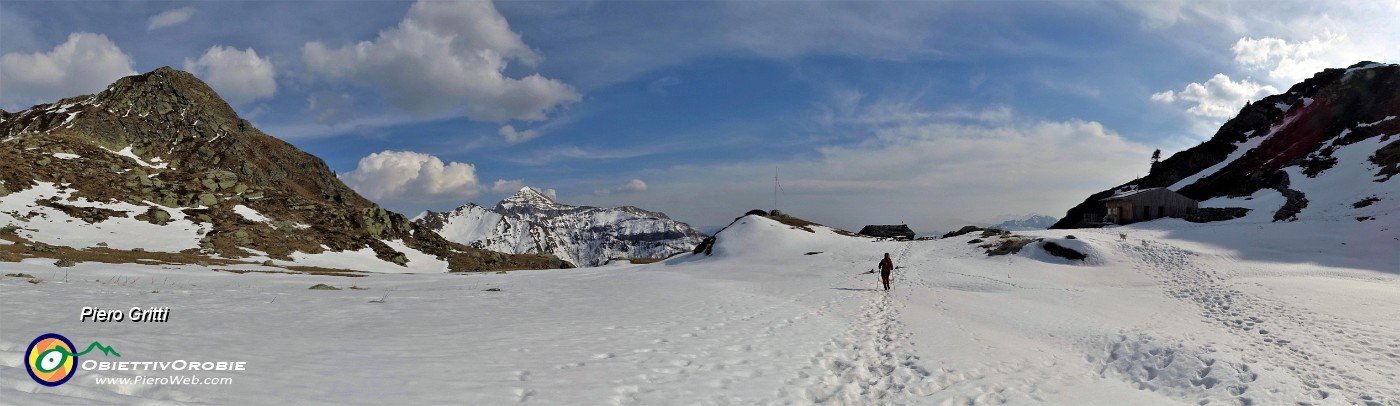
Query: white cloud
170 18
85 63
1211 103
446 56
933 174
1218 98
632 186
1288 62
507 186
515 137
239 76
391 177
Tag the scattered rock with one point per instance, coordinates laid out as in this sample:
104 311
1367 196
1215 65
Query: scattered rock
41 248
1365 202
1009 244
65 263
1071 237
20 275
322 286
356 287
501 272
813 253
974 241
491 290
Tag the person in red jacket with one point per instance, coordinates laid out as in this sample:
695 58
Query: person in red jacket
886 266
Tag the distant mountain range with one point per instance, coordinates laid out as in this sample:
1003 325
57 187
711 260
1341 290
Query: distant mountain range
1028 222
530 222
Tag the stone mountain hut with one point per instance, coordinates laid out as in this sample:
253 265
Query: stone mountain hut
1147 204
900 231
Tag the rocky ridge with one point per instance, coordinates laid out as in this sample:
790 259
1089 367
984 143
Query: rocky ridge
1297 132
166 143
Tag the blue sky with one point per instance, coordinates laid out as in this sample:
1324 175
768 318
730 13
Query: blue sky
929 113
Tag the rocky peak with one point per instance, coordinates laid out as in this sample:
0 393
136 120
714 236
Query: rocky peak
166 141
529 201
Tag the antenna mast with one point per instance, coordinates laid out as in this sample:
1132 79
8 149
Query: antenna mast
775 189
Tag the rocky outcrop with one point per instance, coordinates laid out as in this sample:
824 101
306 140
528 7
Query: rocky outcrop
167 141
1301 128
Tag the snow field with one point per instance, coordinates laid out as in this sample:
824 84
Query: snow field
1173 314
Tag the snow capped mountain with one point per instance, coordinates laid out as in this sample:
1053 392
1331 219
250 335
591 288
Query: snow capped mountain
1327 149
1028 222
530 222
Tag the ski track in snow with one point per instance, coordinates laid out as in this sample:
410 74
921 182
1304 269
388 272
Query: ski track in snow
1320 351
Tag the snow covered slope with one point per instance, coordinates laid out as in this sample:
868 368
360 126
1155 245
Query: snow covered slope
530 222
1244 312
1332 141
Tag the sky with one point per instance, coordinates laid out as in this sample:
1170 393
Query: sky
929 113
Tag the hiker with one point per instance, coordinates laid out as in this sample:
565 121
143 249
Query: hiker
886 266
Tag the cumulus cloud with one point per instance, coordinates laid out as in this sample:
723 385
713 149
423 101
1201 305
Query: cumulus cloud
515 137
507 186
632 186
446 56
391 177
1289 62
170 18
85 63
238 76
1217 98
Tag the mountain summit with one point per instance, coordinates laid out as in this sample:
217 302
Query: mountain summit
531 222
159 162
1325 149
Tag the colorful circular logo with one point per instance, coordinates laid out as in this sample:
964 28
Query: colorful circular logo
50 360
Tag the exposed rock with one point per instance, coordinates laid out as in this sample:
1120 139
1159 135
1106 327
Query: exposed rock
1063 251
1210 214
65 263
961 231
322 286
